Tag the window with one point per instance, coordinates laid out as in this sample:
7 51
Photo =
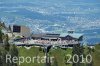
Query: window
16 29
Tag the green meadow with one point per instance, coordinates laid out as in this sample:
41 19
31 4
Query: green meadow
58 54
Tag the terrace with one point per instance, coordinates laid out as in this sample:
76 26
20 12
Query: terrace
63 39
46 42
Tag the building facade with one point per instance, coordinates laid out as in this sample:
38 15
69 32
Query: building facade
21 31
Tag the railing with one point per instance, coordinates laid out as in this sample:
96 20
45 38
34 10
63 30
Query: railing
47 42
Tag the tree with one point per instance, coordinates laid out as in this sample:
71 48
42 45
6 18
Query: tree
14 50
49 61
0 24
89 52
77 49
4 53
3 25
6 43
1 34
14 53
40 49
9 27
55 62
1 64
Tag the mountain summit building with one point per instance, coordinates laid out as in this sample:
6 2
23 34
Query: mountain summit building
21 31
62 40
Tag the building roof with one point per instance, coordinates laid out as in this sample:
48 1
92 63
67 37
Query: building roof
75 35
50 37
46 35
38 35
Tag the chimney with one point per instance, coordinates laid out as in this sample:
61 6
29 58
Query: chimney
71 31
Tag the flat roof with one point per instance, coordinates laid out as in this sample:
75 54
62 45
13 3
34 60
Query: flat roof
48 35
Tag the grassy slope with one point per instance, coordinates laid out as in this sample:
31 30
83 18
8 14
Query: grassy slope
59 54
33 52
96 56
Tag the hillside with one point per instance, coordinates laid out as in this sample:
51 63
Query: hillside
59 55
96 55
